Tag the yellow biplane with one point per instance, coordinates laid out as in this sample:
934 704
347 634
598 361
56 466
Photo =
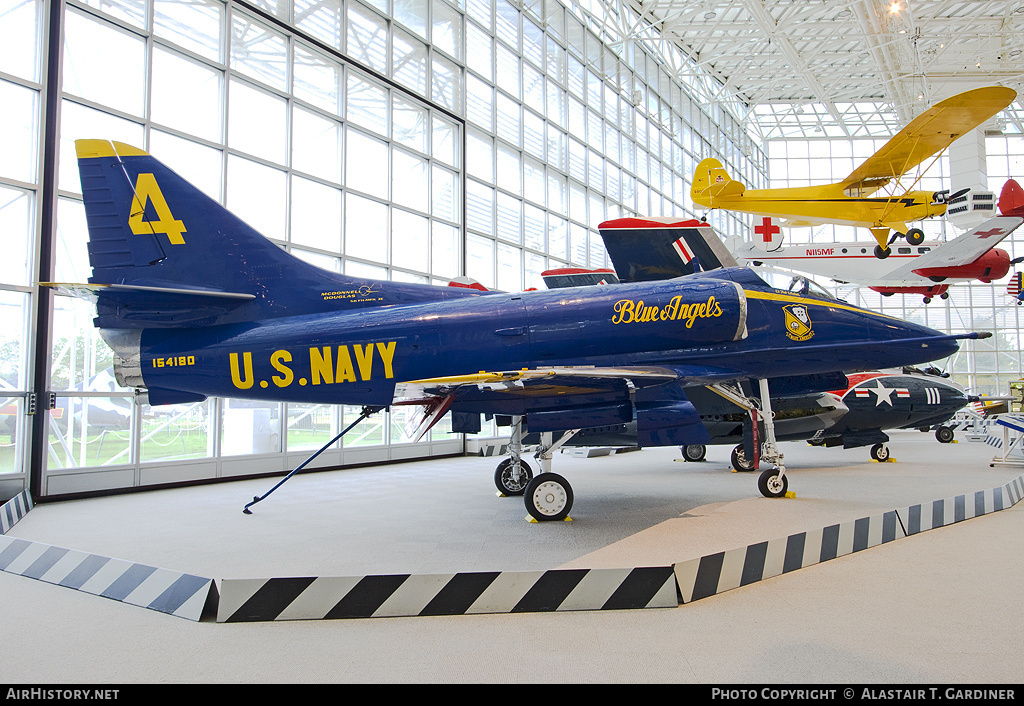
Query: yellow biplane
854 200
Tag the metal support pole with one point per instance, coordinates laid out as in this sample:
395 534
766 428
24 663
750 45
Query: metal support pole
39 444
367 411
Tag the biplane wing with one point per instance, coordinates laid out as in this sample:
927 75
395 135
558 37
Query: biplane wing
854 201
927 135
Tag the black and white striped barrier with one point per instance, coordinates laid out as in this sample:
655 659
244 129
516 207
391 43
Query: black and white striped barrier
162 590
715 573
321 598
940 513
14 509
445 594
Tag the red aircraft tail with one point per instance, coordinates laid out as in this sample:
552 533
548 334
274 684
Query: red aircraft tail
1011 199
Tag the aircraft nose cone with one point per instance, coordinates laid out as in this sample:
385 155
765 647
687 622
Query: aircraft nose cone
919 344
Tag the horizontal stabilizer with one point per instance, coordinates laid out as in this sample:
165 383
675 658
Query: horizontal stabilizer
964 249
725 186
137 306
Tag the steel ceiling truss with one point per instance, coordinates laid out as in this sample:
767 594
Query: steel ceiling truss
815 68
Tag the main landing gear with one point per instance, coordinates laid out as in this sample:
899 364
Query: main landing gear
739 460
694 452
772 482
548 496
914 236
513 474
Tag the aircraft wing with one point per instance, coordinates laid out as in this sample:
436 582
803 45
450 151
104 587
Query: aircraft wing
559 399
527 391
585 397
962 250
928 134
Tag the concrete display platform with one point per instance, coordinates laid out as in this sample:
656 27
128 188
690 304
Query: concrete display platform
938 606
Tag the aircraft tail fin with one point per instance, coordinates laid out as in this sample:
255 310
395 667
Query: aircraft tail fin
711 181
1011 199
164 254
643 249
1016 284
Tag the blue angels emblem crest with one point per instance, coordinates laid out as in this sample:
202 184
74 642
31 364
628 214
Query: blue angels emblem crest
798 322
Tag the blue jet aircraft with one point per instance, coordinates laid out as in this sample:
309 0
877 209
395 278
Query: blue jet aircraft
196 303
644 249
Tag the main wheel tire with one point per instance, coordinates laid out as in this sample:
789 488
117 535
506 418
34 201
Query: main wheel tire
944 435
772 484
880 452
506 483
915 236
548 497
739 460
882 253
694 452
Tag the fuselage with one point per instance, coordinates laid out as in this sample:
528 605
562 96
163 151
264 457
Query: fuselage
857 263
727 320
830 204
893 401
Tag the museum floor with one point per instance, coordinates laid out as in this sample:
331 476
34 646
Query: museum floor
936 607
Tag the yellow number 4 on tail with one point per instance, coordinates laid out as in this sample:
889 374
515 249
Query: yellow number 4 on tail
146 189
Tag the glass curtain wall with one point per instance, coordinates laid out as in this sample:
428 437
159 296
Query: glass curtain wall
416 140
984 366
21 95
351 169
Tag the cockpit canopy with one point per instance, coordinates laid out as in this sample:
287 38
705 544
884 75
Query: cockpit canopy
792 282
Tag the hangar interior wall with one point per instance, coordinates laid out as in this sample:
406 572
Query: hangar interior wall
413 140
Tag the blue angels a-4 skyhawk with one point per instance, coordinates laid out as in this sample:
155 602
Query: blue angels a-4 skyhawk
196 303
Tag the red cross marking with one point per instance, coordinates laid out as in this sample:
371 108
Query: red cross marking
767 229
987 233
